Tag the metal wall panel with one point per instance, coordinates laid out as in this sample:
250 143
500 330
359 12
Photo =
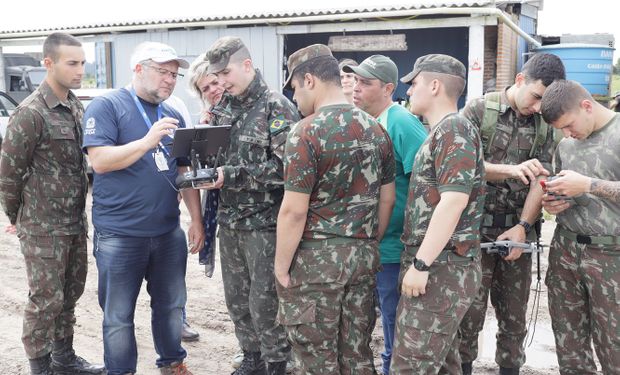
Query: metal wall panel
528 25
261 41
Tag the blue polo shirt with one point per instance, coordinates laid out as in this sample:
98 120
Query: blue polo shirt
138 201
407 134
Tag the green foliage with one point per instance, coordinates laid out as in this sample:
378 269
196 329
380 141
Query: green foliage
89 82
615 83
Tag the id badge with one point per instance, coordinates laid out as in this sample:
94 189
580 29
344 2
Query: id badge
160 161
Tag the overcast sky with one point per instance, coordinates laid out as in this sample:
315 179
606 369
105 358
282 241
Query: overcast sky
558 16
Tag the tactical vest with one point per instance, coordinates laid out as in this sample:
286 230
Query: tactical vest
492 108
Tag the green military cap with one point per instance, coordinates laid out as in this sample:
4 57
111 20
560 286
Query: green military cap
375 67
436 63
302 56
222 50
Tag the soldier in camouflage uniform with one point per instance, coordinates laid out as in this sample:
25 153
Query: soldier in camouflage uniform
376 79
440 266
251 186
584 260
339 193
43 187
518 148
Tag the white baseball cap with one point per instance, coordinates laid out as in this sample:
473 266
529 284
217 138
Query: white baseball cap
158 52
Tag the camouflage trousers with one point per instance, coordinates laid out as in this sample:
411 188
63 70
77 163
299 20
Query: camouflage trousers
426 340
508 283
249 288
56 267
329 308
584 304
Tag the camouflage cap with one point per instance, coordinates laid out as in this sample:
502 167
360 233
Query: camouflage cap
375 67
304 55
222 50
436 63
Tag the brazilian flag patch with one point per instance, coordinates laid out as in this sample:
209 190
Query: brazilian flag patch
277 123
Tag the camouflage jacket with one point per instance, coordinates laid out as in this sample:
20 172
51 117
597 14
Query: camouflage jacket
451 159
341 157
252 163
43 182
511 144
597 156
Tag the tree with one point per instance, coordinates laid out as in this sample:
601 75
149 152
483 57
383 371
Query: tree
617 67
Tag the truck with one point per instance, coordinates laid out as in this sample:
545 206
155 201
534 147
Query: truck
22 75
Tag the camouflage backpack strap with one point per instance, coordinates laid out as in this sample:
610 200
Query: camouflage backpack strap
541 135
492 108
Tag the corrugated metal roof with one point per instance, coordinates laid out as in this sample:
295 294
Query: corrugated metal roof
266 17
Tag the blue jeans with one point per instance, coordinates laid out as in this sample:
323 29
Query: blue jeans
387 287
123 262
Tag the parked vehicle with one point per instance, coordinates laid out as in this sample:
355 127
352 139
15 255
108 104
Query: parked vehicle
7 106
22 75
87 95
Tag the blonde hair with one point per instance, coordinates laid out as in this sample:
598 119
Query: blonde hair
198 70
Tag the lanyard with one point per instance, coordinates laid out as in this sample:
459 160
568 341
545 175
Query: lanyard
146 118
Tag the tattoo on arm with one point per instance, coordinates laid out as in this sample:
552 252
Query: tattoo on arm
606 189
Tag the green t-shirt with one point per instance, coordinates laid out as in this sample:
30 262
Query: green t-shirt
407 134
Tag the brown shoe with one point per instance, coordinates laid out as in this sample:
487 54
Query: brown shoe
175 368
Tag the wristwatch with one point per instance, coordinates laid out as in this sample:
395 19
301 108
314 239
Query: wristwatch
419 265
525 225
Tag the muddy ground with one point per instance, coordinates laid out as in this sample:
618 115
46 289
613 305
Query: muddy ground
207 313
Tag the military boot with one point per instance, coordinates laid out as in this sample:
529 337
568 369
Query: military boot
467 368
64 360
41 365
508 371
252 364
175 368
276 368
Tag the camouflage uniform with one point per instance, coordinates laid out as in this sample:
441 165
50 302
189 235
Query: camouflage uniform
451 159
508 282
584 279
341 157
43 187
249 202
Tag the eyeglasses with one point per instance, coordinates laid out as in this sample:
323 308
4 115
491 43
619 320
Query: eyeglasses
164 72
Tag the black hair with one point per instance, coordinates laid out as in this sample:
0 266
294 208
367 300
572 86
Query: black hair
325 68
55 40
544 67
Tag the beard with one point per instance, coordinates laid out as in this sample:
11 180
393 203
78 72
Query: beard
155 96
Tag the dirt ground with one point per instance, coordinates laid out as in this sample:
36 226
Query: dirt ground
206 313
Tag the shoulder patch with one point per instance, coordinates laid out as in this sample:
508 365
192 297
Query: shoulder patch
277 123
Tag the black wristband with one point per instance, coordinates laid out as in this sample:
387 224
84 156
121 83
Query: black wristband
419 265
525 225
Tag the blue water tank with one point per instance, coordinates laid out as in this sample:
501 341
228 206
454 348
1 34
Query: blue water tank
589 64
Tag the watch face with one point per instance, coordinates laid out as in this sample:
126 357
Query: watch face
420 265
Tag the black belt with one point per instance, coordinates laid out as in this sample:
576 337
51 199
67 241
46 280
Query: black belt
588 240
500 220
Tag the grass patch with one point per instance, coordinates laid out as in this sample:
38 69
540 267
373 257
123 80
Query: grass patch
615 83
